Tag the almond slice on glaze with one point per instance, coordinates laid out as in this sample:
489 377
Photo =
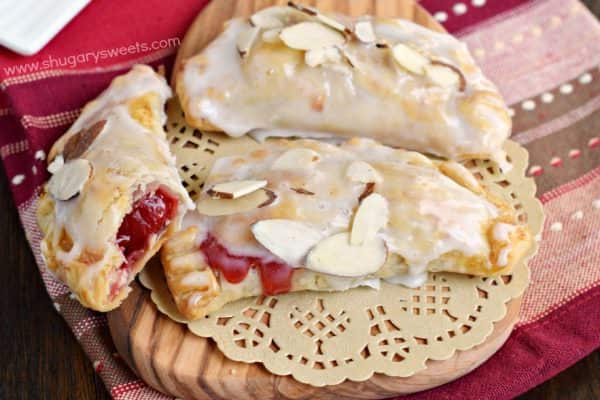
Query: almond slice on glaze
235 189
324 19
246 40
306 10
371 216
81 141
369 188
288 239
68 181
445 75
315 57
332 23
219 207
363 172
310 35
410 59
268 18
296 159
461 175
349 57
336 256
364 32
56 164
271 35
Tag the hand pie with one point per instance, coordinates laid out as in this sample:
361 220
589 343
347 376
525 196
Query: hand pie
114 196
308 215
291 71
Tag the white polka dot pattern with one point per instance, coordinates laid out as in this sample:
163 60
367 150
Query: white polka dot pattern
556 227
440 16
528 105
459 8
547 97
567 88
17 179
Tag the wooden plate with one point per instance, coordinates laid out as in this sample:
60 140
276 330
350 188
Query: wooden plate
174 361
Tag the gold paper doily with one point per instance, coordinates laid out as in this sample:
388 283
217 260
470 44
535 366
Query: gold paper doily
353 334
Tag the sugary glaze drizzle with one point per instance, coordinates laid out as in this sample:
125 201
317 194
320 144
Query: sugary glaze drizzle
435 222
272 87
130 159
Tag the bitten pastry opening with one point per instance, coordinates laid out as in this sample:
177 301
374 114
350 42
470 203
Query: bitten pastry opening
148 218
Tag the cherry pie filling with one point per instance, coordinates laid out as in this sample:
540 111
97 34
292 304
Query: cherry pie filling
276 277
149 216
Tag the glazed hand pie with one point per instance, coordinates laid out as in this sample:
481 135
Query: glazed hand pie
292 71
114 196
308 215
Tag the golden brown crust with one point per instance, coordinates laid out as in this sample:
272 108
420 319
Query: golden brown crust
191 282
495 255
461 120
120 135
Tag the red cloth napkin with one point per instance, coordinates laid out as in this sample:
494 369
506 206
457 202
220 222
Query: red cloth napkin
543 55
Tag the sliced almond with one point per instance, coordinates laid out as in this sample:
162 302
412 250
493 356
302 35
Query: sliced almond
323 55
332 23
315 57
371 216
363 172
349 57
246 40
81 141
235 189
303 191
419 159
364 32
336 256
218 207
296 159
307 10
68 181
288 239
369 188
410 59
313 12
56 164
310 35
445 75
271 35
268 18
461 175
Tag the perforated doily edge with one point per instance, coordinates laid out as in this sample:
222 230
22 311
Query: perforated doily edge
532 208
357 375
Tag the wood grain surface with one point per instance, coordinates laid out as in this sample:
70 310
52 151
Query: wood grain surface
41 359
170 358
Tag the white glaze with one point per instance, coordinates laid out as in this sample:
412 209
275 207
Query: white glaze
503 256
503 231
430 214
196 278
128 160
408 280
273 88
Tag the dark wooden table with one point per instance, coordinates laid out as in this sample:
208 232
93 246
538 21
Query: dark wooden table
40 358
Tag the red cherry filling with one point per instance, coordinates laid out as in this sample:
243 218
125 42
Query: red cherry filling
148 216
276 277
233 268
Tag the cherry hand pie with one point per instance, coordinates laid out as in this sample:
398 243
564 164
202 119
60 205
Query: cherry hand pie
292 71
308 215
115 195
